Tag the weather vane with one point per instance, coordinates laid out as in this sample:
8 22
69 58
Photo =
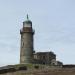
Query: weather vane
27 17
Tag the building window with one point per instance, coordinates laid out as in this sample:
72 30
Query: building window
44 63
43 57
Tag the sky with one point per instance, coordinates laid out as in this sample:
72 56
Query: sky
53 22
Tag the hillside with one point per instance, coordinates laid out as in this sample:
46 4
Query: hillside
35 70
43 72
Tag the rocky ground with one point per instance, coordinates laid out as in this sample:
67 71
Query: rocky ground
66 71
32 69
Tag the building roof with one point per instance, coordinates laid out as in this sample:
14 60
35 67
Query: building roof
28 21
45 53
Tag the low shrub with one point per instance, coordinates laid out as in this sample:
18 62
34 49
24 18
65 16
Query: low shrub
22 68
36 67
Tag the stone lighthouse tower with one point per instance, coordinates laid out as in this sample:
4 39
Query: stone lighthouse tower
26 54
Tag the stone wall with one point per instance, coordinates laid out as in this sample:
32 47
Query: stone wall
45 58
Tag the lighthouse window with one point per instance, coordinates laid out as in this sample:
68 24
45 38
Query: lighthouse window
22 44
27 25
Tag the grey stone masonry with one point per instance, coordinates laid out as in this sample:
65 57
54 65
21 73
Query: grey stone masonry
26 51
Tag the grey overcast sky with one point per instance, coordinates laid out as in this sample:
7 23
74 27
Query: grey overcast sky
54 24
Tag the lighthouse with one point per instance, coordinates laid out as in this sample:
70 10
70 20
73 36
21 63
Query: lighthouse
26 49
